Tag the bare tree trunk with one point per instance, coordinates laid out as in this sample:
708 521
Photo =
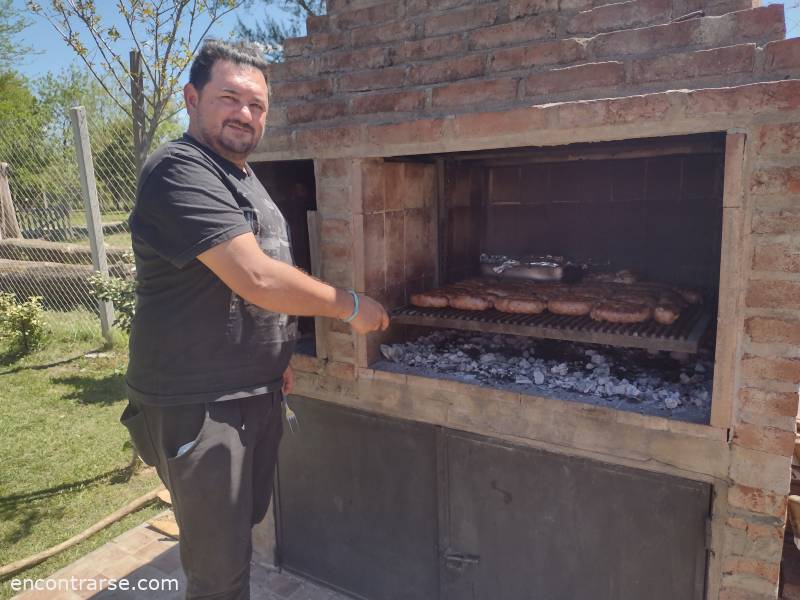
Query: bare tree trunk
137 109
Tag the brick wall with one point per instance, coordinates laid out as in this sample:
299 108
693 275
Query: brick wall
396 61
660 216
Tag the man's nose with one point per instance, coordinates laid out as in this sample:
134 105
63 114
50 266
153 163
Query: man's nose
245 113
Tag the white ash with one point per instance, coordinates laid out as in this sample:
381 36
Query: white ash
622 376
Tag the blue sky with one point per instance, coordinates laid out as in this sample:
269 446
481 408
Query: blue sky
55 55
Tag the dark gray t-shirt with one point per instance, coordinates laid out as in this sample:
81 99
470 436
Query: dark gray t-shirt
192 338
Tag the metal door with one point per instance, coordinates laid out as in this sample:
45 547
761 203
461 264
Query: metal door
357 505
525 524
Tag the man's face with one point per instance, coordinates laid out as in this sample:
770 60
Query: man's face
229 113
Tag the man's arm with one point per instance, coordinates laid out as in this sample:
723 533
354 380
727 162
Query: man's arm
278 287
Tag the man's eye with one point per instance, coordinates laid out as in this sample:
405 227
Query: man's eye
257 107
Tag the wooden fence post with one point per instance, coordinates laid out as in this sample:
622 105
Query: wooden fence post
9 226
94 224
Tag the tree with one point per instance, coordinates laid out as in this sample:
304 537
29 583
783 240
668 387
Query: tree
12 22
166 33
272 31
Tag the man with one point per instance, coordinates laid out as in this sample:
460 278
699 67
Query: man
212 335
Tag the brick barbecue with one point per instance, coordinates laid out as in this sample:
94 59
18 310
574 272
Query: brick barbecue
427 123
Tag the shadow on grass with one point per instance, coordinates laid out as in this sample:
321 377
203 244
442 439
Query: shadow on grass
9 357
21 509
88 389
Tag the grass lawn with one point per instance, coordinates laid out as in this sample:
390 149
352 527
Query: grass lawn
62 461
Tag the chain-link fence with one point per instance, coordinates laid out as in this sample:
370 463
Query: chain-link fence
45 236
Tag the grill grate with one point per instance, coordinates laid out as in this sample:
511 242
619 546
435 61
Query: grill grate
682 336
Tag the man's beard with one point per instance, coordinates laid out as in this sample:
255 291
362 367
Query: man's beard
237 145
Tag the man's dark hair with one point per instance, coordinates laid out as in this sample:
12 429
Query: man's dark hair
239 53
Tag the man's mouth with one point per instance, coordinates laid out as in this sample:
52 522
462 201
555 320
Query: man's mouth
240 127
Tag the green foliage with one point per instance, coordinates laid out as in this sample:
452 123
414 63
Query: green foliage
12 23
166 33
272 31
120 292
22 324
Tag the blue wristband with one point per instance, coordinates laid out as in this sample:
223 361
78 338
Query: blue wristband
356 307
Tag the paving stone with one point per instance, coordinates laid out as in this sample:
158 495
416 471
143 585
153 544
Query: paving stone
167 559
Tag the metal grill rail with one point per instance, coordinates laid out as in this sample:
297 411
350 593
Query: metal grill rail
682 336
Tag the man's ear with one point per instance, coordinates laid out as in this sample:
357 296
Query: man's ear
190 96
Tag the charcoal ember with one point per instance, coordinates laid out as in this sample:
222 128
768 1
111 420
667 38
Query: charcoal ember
523 380
538 377
598 359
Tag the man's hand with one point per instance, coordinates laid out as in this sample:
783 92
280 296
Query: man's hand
371 316
288 381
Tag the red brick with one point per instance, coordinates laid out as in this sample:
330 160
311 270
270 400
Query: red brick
448 69
372 79
296 46
544 53
730 593
403 101
784 54
416 7
778 139
461 20
566 6
671 67
751 566
317 23
515 32
370 15
746 99
781 221
326 138
764 439
475 93
364 58
291 68
338 6
653 107
420 131
309 88
647 39
327 41
316 111
777 256
757 501
382 34
493 124
445 45
776 180
275 139
777 369
763 22
767 293
623 15
780 404
772 329
575 78
525 8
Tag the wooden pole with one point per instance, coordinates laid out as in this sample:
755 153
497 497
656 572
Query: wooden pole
137 109
27 563
94 224
9 226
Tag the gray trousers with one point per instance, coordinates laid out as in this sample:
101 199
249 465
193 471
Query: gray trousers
221 483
